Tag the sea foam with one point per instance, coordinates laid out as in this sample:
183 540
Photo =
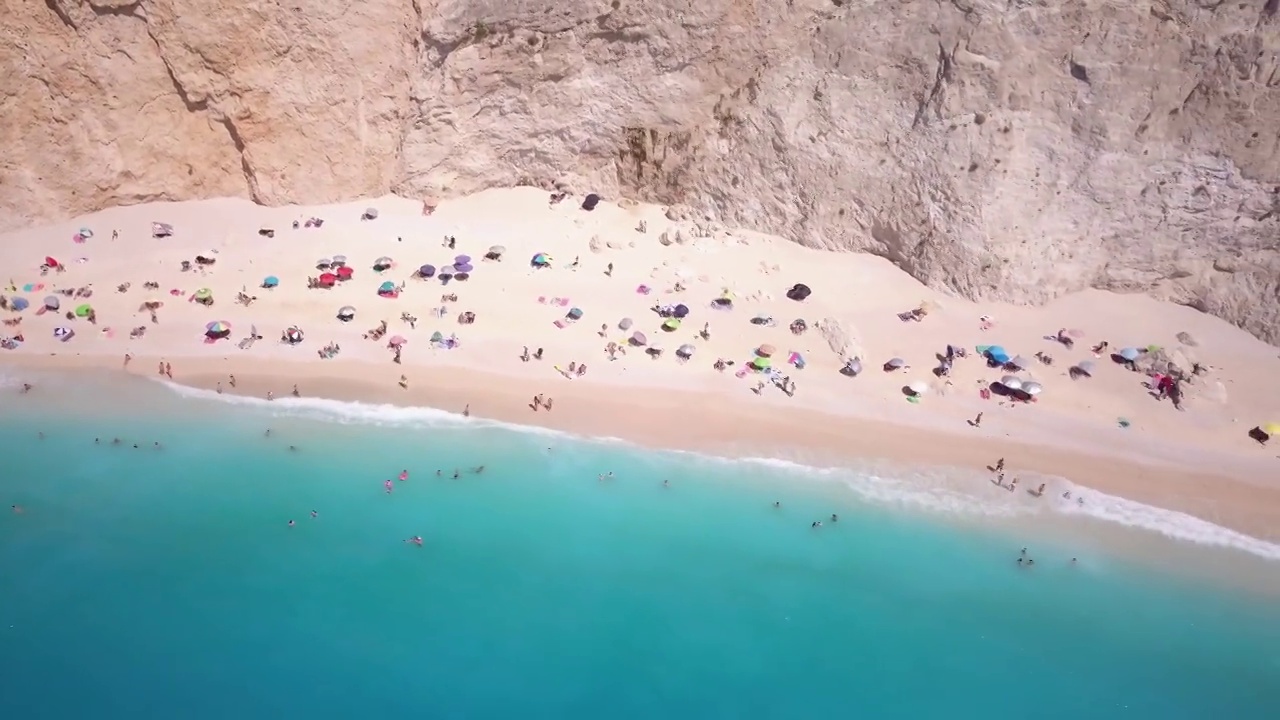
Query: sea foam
932 490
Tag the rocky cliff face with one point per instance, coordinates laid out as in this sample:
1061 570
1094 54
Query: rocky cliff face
1013 149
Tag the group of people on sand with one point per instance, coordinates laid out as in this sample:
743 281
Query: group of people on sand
998 471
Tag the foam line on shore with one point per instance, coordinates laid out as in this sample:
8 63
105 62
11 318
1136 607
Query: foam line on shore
924 490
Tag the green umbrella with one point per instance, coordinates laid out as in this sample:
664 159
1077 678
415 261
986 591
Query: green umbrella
761 363
204 294
83 311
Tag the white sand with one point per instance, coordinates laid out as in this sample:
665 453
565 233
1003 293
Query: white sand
863 293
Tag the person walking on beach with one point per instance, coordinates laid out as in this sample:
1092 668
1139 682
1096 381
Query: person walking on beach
295 391
127 358
218 389
1000 465
231 380
977 422
466 411
168 370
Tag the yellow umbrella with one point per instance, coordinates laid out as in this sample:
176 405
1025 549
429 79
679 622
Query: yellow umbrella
1271 428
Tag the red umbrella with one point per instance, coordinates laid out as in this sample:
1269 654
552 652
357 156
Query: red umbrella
328 279
345 272
51 262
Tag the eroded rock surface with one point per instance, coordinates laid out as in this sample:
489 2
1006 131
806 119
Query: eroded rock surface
1011 149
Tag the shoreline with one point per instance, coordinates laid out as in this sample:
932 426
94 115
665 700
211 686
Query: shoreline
721 426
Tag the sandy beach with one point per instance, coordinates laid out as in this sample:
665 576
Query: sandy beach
1107 430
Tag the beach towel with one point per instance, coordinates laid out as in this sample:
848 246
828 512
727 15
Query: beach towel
643 290
562 302
560 324
542 299
742 372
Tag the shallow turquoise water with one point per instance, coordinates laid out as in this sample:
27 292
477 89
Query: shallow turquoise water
166 583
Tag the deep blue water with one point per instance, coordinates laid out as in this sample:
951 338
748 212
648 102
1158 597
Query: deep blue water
167 583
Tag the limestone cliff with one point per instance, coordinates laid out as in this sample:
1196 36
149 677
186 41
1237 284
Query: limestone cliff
1013 149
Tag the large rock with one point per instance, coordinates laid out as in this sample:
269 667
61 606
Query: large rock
1009 149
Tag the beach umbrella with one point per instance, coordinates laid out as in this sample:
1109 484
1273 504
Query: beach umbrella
766 350
895 363
462 260
52 302
346 312
541 260
463 268
50 262
671 325
344 272
84 310
19 304
339 260
63 333
625 324
590 201
796 359
799 292
681 311
575 313
1032 388
161 230
427 271
686 351
919 387
762 363
293 335
996 353
1019 362
270 281
323 264
382 263
437 336
397 341
1012 382
638 339
328 279
497 250
852 367
203 294
462 276
218 327
1271 428
370 214
387 287
1085 368
1129 353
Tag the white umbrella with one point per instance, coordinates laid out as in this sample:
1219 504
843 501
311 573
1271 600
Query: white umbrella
339 259
1011 382
919 387
1032 388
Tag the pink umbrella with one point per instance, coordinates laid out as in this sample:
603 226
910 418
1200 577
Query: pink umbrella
397 341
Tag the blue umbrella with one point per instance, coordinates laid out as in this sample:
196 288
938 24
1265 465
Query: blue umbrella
997 353
1130 353
681 311
20 303
270 281
463 268
387 287
427 271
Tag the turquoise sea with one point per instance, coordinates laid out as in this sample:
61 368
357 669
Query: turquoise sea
167 582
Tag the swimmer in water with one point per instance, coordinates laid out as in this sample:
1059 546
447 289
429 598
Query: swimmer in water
387 484
293 448
416 540
314 514
290 523
816 524
456 474
267 433
477 469
157 445
835 518
115 441
404 475
439 472
777 504
17 510
666 483
97 441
